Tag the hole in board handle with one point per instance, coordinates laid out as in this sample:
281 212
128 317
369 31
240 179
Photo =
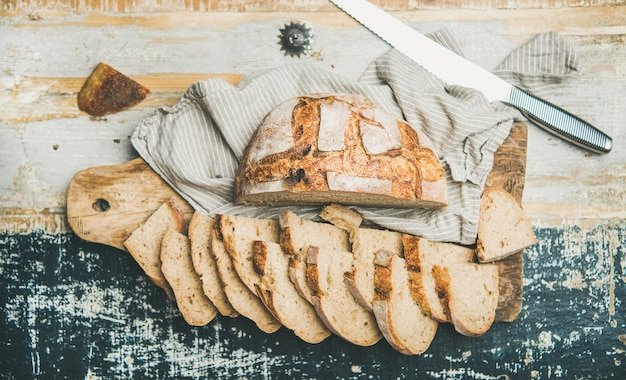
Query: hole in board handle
101 205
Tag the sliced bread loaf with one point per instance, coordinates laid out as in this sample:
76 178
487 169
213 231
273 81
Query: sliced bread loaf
238 233
469 294
144 244
401 320
333 302
503 227
240 297
421 256
296 234
365 243
280 296
200 229
177 267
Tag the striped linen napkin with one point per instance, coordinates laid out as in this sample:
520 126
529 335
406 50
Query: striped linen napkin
195 146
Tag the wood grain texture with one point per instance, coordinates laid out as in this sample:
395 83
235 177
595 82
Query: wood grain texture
106 204
286 5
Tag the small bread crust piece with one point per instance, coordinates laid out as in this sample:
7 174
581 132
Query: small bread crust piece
108 91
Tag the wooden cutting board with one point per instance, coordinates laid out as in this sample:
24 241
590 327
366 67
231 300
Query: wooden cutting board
106 204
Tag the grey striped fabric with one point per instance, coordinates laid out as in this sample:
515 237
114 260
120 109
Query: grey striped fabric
196 144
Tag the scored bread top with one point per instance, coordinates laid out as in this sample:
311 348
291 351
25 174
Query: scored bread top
339 148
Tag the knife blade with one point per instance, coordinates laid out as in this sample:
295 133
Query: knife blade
453 69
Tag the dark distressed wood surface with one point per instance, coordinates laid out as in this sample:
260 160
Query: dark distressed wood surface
74 309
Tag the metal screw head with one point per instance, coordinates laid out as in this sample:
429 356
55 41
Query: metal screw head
295 39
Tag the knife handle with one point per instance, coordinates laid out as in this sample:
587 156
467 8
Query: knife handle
560 122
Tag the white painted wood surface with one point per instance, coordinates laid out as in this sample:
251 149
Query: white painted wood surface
47 53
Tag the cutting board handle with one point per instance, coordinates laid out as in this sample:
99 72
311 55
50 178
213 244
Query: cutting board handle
106 204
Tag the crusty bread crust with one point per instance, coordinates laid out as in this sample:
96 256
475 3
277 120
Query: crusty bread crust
321 149
108 91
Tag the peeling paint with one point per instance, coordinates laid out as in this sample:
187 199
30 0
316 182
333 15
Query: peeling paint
65 298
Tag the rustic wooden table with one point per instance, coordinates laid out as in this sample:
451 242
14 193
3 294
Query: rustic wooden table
81 310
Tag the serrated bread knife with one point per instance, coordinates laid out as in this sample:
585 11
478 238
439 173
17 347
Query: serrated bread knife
454 69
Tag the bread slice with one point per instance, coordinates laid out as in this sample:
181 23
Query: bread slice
333 302
144 243
238 233
469 294
296 234
503 227
240 297
177 267
280 296
421 255
365 243
341 216
401 320
200 229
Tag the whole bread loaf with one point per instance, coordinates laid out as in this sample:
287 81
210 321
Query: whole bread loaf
341 148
